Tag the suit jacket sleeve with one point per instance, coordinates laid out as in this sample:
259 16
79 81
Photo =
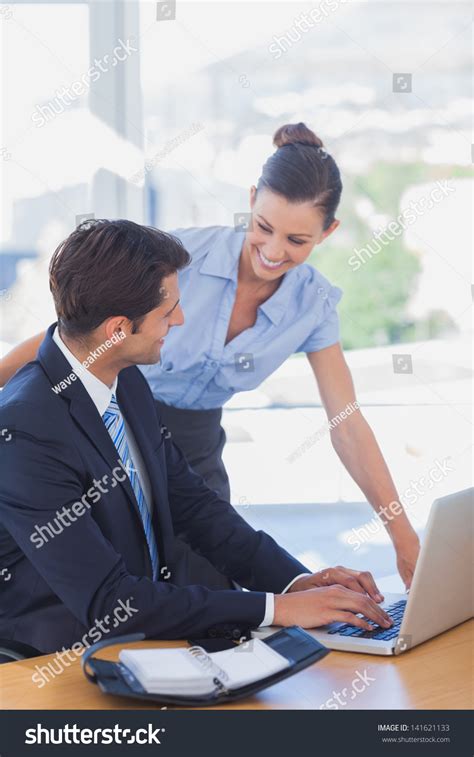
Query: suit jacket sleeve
40 474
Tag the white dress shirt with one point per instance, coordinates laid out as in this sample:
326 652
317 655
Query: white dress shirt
101 395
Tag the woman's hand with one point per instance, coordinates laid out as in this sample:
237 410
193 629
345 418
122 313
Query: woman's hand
357 447
355 580
18 357
407 547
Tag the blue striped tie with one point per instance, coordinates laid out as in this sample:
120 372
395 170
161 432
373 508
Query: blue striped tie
116 427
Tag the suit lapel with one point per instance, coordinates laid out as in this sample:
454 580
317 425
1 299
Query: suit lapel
82 409
136 410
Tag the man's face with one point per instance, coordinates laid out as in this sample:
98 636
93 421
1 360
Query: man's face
146 344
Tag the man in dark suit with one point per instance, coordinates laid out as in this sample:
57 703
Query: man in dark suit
92 488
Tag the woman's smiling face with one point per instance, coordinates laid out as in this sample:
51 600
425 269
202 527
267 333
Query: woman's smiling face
282 233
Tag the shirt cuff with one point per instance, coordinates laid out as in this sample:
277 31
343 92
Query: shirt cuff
293 581
270 602
269 611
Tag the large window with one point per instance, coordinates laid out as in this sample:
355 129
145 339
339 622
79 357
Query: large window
165 112
72 136
392 105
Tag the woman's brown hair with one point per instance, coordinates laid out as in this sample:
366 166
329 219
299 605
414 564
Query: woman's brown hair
301 170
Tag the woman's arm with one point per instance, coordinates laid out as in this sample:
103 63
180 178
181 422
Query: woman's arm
356 446
17 357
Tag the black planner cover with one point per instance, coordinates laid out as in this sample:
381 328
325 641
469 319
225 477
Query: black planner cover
114 678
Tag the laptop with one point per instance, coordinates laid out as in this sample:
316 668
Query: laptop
441 594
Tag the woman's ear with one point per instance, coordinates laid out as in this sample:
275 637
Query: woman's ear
253 196
330 230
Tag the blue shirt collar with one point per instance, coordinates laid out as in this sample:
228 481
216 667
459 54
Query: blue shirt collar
276 306
223 257
223 260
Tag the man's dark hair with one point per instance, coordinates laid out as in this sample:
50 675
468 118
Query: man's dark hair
108 268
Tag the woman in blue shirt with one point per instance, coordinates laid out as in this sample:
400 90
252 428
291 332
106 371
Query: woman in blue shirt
250 301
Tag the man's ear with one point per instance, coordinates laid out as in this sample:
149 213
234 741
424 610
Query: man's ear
118 325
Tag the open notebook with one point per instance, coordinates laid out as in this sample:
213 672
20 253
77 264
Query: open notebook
193 672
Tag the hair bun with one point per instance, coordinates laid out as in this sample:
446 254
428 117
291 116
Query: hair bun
291 134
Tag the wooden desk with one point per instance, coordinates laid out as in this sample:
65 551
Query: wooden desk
434 675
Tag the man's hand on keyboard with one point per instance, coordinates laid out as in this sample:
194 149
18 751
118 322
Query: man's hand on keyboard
356 580
326 604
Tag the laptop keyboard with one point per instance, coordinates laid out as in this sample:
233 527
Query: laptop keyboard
396 613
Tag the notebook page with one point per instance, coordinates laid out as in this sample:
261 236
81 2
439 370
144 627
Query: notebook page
166 669
175 671
249 662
